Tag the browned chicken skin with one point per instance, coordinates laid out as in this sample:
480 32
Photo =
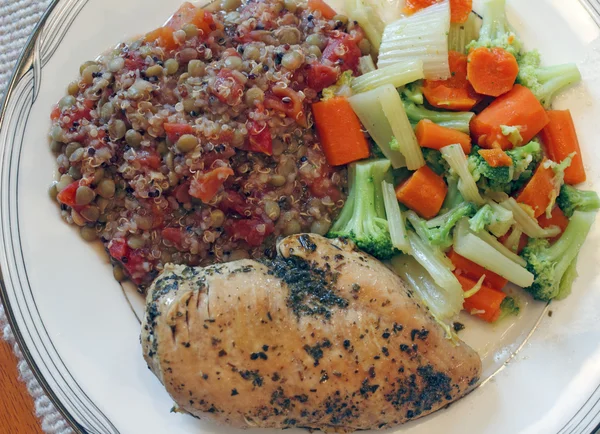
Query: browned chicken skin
323 337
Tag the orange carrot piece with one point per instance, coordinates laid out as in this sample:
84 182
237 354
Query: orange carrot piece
486 302
433 136
518 107
557 218
539 190
522 241
163 36
474 271
424 192
496 157
459 9
455 93
492 71
340 131
319 5
560 140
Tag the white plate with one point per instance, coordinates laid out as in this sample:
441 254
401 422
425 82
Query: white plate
81 336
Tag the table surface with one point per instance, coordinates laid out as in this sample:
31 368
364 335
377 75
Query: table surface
16 405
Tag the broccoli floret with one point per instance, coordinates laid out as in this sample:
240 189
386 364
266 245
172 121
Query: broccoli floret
363 218
340 88
453 197
552 265
492 217
455 120
482 218
508 307
506 179
435 161
572 199
546 82
394 145
495 30
438 231
513 134
413 92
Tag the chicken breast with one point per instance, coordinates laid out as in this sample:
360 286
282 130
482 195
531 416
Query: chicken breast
323 336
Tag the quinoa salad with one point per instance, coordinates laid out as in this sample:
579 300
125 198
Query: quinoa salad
194 144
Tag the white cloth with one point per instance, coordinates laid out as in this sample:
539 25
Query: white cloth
17 21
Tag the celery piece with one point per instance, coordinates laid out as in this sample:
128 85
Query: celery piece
368 109
457 160
362 12
398 75
421 36
393 109
366 64
395 219
462 34
477 250
528 224
443 304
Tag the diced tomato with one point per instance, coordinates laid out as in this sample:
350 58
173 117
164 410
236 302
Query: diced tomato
253 231
163 36
181 193
259 138
205 186
149 158
173 235
234 201
288 101
227 88
67 195
320 6
343 50
175 131
321 76
322 187
118 249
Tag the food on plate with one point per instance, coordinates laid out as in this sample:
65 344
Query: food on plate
426 139
323 336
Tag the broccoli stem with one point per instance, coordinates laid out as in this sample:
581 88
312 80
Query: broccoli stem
554 79
455 120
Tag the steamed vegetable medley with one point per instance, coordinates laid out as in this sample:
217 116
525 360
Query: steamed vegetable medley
472 186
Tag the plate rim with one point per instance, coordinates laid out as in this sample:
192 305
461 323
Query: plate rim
31 60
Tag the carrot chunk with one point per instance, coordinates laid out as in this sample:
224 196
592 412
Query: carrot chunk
492 71
340 131
560 141
433 136
557 218
424 192
539 190
459 9
496 157
518 107
485 304
455 93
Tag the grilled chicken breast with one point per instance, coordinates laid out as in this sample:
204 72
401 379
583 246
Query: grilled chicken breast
324 337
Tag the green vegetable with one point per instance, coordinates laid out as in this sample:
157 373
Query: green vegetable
553 265
479 250
458 163
455 120
462 34
495 30
438 231
506 179
453 197
397 75
363 218
546 82
366 64
481 219
572 199
413 92
513 134
526 223
508 307
492 217
341 88
395 218
443 304
435 161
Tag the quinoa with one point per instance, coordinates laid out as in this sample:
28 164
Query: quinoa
195 143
